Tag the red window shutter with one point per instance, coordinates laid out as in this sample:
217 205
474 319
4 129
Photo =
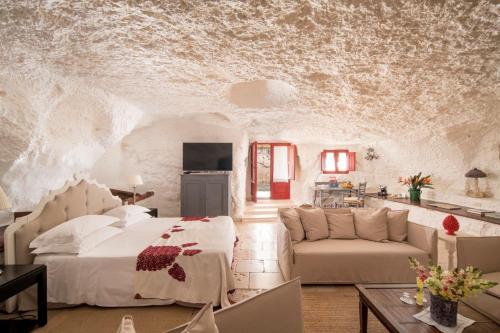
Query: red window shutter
292 160
352 161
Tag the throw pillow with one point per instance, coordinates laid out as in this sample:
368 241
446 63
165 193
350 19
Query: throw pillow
371 225
203 322
341 226
397 225
291 219
314 223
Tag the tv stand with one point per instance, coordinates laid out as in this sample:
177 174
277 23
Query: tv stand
205 194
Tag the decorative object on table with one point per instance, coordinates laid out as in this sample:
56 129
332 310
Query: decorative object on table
444 206
346 184
333 182
475 174
448 287
371 154
357 201
134 181
382 191
462 322
451 225
415 184
478 211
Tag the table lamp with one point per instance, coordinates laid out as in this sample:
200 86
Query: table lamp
475 174
134 181
4 204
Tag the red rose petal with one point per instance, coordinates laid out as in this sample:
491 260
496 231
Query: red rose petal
165 236
155 258
191 252
177 230
189 244
177 272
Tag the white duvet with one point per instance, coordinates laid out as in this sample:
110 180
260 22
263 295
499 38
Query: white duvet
106 275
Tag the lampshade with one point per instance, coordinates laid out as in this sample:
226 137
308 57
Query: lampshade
475 173
4 201
135 180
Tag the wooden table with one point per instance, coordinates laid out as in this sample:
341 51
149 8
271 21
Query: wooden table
383 301
16 278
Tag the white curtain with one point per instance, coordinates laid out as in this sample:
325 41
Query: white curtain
280 168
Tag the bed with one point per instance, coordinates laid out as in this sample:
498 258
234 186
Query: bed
109 274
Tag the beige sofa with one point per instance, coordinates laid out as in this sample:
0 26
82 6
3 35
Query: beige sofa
349 261
482 253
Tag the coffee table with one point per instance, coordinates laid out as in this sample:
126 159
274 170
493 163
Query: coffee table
383 301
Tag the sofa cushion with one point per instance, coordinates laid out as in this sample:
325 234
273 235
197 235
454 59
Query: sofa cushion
495 277
355 261
397 225
371 225
291 219
341 226
314 223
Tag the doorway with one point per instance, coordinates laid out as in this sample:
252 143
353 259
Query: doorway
263 171
273 167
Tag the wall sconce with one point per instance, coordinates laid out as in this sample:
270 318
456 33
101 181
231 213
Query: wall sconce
371 154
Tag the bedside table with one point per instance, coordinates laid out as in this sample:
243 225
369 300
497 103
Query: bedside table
153 212
16 278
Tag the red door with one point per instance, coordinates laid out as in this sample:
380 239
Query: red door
253 176
282 169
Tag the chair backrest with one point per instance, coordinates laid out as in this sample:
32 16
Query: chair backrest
275 310
361 190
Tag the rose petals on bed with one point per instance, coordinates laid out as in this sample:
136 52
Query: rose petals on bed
196 218
176 230
177 272
165 236
154 258
191 252
189 244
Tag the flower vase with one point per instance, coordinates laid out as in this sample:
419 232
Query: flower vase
414 195
444 312
419 297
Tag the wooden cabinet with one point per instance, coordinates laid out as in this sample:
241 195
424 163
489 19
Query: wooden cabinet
206 195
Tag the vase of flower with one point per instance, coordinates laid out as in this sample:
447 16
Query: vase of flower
448 287
414 195
444 312
415 184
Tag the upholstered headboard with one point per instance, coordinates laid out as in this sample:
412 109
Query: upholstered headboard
74 199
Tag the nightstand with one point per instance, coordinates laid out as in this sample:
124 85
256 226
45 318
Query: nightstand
16 278
153 212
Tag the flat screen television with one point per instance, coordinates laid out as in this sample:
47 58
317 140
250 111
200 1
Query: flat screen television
207 156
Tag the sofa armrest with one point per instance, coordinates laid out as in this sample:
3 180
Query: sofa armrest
285 251
480 252
424 238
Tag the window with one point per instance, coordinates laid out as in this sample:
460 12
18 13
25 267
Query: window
338 161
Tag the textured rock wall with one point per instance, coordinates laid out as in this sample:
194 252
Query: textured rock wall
155 152
52 128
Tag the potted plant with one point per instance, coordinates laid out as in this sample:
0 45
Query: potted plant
448 287
415 184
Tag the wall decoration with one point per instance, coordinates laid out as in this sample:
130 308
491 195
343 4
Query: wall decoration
371 154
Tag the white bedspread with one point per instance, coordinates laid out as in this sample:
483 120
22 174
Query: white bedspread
105 276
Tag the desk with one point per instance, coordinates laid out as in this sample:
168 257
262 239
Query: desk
336 191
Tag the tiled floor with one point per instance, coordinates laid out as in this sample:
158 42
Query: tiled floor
256 253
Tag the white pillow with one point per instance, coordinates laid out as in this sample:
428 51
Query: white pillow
73 230
122 212
129 220
86 244
203 322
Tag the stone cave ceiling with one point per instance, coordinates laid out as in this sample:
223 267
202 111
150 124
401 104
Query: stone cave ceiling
343 69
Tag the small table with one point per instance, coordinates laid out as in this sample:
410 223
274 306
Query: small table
16 278
383 301
319 189
450 244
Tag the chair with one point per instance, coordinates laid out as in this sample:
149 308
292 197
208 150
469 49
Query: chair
359 200
482 253
275 310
